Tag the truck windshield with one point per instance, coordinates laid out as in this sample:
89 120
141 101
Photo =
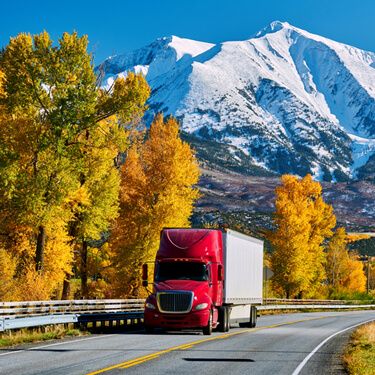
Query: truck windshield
181 271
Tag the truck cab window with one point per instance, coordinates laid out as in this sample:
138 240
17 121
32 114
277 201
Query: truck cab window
182 271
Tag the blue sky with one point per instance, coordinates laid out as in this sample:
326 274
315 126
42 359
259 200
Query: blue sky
115 26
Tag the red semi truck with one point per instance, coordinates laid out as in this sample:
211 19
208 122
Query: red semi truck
204 279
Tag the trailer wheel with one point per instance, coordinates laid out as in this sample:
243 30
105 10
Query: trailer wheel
223 319
227 319
207 330
253 314
252 319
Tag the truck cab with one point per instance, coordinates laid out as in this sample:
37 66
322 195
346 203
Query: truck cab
188 285
187 280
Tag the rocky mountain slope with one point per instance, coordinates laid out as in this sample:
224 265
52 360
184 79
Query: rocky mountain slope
254 196
284 101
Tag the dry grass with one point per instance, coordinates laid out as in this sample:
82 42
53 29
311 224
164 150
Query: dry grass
359 357
40 334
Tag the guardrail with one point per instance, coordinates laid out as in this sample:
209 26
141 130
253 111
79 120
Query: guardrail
312 307
115 312
15 315
285 301
69 307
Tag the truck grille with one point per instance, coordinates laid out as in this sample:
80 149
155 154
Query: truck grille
175 302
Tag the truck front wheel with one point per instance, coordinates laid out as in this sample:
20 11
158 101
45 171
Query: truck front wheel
207 330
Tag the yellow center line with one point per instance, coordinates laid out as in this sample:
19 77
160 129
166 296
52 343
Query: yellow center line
149 357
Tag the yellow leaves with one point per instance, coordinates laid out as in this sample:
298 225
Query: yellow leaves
22 41
42 41
2 84
79 198
34 286
355 279
18 278
354 237
8 284
60 137
344 270
126 98
303 221
157 191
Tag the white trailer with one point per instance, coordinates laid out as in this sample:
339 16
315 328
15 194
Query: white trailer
243 277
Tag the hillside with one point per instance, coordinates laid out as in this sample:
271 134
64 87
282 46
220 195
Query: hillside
284 101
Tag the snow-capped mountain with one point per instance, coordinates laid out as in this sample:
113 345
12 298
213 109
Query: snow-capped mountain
285 101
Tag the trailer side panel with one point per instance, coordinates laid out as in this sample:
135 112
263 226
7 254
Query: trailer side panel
243 267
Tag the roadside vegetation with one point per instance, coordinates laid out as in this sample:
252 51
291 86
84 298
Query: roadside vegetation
310 256
84 187
359 357
25 336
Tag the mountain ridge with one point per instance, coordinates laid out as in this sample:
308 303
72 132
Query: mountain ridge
285 100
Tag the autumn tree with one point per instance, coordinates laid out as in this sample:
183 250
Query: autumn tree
59 137
355 279
157 190
343 269
122 106
337 258
303 221
8 285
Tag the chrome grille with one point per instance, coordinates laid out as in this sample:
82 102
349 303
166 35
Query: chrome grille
175 302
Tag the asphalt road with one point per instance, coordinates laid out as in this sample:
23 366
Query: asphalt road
281 344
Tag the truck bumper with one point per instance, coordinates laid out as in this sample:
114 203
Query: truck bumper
194 319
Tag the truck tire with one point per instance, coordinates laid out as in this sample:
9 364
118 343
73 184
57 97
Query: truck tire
253 314
223 320
207 330
227 319
252 319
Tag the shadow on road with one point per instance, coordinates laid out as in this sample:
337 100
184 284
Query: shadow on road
218 360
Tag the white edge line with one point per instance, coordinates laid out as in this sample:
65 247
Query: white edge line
55 344
303 363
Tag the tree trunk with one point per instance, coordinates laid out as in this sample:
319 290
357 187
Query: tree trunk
84 290
40 245
66 287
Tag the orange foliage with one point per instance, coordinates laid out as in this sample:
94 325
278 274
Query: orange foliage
303 221
157 190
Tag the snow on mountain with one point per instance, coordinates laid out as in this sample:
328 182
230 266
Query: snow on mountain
286 100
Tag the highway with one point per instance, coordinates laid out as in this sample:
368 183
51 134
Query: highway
280 344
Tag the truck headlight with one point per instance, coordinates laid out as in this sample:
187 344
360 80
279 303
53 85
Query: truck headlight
150 306
201 306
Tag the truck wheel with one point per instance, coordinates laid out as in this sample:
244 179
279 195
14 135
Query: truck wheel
253 314
227 320
252 319
223 320
207 330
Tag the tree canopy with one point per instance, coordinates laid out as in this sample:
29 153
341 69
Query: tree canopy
59 137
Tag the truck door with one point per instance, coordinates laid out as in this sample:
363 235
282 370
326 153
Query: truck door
216 283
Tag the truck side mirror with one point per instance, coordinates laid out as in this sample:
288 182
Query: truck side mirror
145 274
220 275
